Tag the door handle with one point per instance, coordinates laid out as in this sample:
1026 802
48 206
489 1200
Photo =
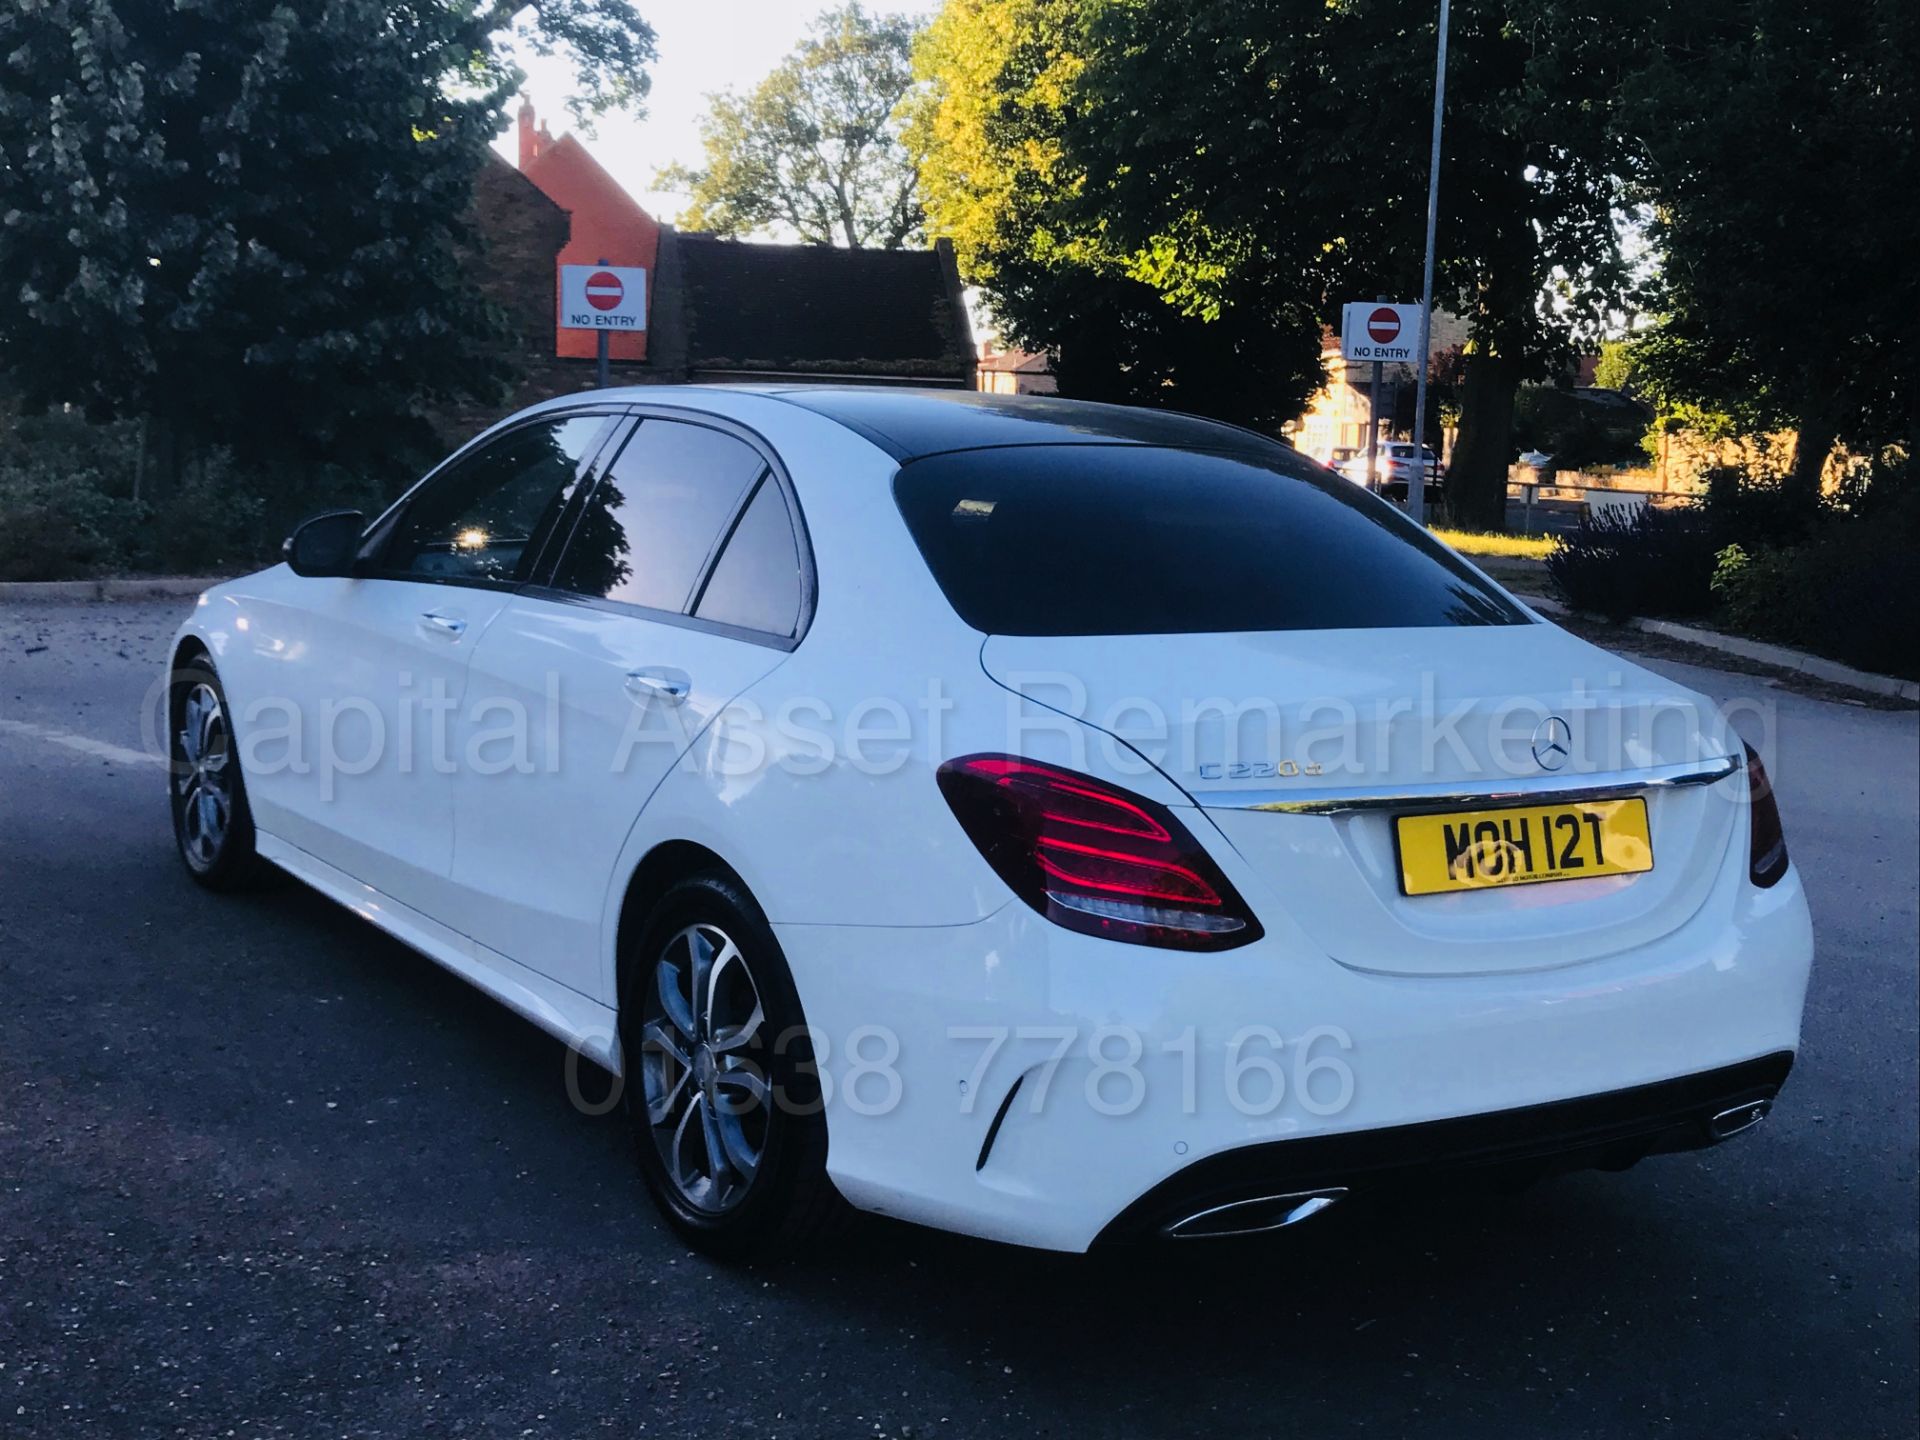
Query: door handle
672 686
435 622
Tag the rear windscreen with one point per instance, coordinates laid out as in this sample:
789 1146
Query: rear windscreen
1136 540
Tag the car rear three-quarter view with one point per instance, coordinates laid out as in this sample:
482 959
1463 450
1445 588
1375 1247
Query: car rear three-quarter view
1054 822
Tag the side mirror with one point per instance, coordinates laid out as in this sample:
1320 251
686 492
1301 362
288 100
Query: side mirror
325 545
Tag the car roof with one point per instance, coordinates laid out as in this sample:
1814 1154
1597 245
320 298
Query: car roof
910 424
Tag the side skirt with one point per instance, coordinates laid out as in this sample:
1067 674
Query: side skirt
568 1016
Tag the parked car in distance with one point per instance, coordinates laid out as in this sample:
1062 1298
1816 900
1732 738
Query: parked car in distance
927 803
1396 468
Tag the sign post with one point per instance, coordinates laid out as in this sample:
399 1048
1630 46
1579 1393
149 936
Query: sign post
607 299
1373 423
1373 429
1417 486
1381 333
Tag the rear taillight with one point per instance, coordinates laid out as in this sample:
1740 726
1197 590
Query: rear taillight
1093 857
1768 858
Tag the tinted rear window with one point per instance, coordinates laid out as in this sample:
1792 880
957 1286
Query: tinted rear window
1137 540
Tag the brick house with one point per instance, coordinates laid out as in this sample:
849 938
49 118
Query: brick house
609 227
717 309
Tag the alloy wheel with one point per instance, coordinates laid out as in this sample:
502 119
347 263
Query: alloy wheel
203 779
706 1096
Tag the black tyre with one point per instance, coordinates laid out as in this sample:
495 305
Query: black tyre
212 826
720 1086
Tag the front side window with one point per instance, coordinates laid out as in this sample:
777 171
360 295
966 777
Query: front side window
485 517
1139 540
650 525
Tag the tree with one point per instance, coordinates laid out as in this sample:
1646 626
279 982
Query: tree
608 42
1617 366
244 220
994 129
1273 153
815 146
1774 143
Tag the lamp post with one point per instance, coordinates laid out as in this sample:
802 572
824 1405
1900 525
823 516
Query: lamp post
1417 486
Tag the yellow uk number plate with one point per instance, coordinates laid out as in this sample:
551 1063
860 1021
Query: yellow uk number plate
1522 845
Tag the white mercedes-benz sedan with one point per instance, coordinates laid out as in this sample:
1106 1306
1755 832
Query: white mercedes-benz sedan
1055 822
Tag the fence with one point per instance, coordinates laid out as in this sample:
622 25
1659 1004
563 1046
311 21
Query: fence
1590 499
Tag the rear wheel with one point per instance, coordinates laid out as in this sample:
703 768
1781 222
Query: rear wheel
720 1086
212 825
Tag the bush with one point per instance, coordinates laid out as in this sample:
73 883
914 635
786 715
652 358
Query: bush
1850 593
211 525
1756 512
1644 562
63 511
67 506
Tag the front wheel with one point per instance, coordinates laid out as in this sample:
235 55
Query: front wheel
212 824
720 1086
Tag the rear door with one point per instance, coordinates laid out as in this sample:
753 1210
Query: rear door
685 580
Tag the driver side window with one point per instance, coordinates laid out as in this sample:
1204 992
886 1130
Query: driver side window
486 518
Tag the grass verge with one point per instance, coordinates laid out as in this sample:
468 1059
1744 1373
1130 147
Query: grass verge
1517 547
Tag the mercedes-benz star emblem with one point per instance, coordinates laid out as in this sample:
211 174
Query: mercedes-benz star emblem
1552 743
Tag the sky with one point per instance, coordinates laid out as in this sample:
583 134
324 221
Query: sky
704 45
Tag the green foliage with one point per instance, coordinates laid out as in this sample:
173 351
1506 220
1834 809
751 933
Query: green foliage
1748 510
1577 430
1773 144
1671 374
1728 566
999 129
1851 593
1644 562
1255 164
1617 368
69 507
1762 558
64 511
243 218
1233 142
815 147
79 498
608 42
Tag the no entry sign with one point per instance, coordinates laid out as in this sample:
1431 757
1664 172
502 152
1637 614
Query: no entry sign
603 297
1373 331
604 290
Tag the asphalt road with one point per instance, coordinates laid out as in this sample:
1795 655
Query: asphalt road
264 1172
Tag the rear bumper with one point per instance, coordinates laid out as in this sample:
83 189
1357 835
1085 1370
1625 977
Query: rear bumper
1016 1081
1604 1132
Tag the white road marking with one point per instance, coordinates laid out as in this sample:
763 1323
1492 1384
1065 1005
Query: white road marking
85 744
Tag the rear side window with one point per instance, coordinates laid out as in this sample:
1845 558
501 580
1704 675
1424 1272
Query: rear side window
648 529
1138 540
756 581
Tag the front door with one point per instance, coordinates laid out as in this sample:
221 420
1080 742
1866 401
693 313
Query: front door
373 669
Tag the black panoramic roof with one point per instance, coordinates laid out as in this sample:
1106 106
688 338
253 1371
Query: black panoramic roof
909 424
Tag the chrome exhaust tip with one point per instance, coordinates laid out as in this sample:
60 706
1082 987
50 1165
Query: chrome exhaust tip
1251 1217
1730 1122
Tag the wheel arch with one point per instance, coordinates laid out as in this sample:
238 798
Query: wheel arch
187 648
659 870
